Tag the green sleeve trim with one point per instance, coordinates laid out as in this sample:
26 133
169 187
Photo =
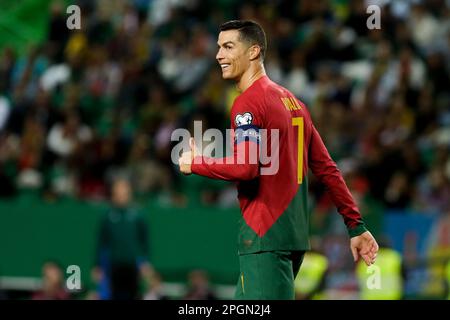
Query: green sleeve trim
361 228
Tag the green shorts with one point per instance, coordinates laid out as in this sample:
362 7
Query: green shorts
268 275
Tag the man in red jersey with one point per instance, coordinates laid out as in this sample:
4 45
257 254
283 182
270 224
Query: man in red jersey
274 231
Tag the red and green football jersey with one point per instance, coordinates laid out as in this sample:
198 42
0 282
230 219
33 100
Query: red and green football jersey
273 196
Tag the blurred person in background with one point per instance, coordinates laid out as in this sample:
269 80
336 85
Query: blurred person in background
437 254
311 279
122 255
199 286
155 289
447 279
52 283
274 232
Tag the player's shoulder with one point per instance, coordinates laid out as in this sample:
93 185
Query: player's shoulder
245 112
247 99
248 107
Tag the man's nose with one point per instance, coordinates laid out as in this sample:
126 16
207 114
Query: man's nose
219 55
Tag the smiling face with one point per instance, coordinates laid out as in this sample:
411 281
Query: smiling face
233 55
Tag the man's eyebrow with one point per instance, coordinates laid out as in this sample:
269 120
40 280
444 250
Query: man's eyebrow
225 43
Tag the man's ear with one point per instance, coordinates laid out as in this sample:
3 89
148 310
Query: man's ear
254 52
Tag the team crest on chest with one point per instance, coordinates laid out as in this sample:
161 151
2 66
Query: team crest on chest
243 119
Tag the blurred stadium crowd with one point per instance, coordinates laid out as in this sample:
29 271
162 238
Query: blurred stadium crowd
88 104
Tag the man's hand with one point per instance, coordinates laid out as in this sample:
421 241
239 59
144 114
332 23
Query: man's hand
365 246
186 159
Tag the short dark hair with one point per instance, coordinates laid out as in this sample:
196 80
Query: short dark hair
249 31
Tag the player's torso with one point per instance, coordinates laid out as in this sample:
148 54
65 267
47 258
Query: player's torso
270 206
284 132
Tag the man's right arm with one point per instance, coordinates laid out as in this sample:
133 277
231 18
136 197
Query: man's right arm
236 167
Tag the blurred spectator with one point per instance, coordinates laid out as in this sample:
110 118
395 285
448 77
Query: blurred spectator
199 287
398 195
434 191
64 139
447 275
437 255
58 32
5 109
155 288
9 151
122 255
52 283
311 279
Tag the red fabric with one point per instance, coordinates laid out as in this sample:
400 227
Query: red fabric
223 168
325 169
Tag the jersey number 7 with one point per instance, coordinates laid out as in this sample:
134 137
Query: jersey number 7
298 121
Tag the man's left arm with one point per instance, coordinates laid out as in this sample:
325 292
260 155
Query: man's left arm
362 243
326 170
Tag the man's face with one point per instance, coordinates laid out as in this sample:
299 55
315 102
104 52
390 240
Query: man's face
121 193
52 276
232 55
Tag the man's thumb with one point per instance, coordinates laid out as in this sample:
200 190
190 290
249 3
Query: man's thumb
354 253
192 146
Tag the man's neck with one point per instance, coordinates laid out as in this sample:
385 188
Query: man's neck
251 75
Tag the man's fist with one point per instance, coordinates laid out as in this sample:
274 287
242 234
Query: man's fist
186 159
185 162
